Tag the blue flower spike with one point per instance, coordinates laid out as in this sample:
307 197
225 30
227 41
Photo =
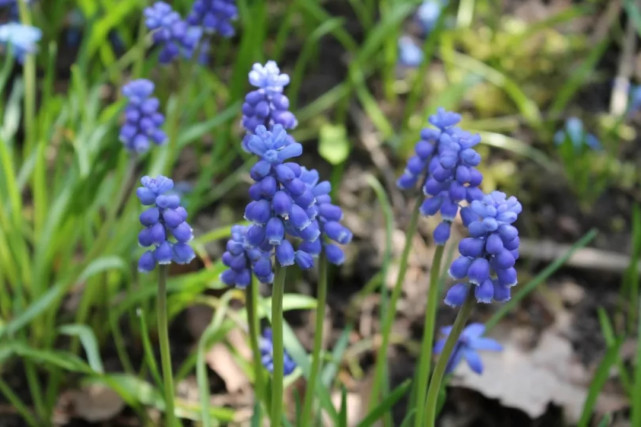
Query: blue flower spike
267 354
428 13
142 118
267 105
166 231
445 161
575 132
487 257
467 347
171 32
22 40
214 16
410 53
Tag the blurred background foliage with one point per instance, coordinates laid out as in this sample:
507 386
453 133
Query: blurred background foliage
71 300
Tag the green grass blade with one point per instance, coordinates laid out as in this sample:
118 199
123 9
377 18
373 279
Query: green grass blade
89 344
386 404
600 377
536 281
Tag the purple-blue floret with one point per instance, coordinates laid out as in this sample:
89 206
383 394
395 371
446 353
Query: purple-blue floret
445 163
267 354
142 119
214 16
242 258
171 32
267 105
470 341
327 220
488 256
166 229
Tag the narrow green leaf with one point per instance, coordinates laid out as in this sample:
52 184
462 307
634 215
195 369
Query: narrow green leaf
600 377
540 278
89 343
385 405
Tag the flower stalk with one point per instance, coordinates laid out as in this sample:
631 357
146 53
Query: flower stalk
278 349
441 365
429 325
306 414
165 353
390 314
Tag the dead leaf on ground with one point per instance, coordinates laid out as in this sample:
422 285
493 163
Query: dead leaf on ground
220 360
530 380
93 403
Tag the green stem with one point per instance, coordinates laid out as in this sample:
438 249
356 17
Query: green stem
252 298
165 355
278 353
29 75
428 334
306 414
390 314
444 357
17 404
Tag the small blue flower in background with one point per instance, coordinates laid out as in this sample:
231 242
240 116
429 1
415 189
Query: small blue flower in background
142 119
470 341
166 228
214 16
577 135
242 258
428 13
20 39
634 98
489 254
170 31
267 354
410 53
446 160
267 105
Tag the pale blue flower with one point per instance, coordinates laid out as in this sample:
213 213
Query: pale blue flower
20 39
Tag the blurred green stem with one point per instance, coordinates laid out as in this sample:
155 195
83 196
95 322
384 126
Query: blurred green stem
252 298
306 414
428 335
103 236
278 348
444 357
17 404
390 314
165 353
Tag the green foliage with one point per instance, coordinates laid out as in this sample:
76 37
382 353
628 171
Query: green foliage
70 297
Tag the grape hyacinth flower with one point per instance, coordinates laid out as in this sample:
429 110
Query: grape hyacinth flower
328 218
470 341
267 354
243 259
142 119
489 254
20 39
282 204
445 161
634 98
214 16
170 31
267 105
166 229
577 136
410 54
428 13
